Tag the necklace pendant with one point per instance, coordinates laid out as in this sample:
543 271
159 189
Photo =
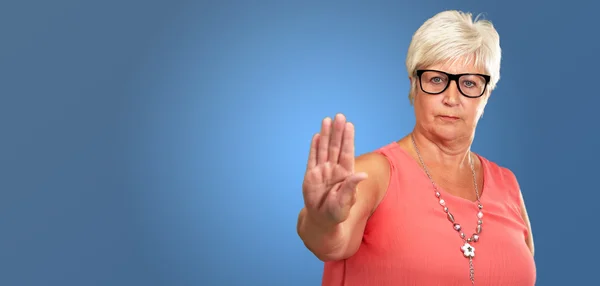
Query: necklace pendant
468 250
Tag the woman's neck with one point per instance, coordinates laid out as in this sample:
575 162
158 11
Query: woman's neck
449 154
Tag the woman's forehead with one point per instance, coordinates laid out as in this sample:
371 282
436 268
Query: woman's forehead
459 65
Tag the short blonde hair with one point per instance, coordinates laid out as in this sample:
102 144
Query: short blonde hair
453 35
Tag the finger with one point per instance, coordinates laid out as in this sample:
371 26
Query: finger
324 141
335 143
347 153
348 189
312 155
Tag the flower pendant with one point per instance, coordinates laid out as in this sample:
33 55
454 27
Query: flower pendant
468 250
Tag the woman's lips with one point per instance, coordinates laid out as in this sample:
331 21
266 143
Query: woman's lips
448 117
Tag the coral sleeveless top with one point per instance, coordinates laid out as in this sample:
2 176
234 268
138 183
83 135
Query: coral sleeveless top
409 240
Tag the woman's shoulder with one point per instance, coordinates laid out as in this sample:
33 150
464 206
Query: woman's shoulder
375 163
381 163
381 160
496 170
379 156
391 150
500 177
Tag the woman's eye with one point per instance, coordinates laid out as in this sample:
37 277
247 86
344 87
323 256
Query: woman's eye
469 83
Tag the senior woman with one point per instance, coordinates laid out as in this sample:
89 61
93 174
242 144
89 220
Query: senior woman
423 210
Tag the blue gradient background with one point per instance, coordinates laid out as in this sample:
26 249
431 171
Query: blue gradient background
164 143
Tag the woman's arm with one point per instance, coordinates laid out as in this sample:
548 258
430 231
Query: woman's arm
341 241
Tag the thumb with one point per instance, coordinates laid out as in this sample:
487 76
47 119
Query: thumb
353 180
349 186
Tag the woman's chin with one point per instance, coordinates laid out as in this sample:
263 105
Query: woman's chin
449 133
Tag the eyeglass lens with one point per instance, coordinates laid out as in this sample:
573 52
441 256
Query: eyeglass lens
436 82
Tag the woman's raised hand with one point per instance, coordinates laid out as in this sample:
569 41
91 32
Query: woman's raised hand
329 185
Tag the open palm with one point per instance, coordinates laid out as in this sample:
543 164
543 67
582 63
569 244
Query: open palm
330 182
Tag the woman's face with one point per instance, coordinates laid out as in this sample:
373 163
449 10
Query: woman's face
449 115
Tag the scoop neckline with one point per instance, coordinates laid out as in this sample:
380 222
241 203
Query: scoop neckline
444 193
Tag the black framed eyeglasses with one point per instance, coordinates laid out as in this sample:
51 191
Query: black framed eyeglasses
471 85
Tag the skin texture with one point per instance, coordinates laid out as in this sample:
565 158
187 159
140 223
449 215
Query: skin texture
341 191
